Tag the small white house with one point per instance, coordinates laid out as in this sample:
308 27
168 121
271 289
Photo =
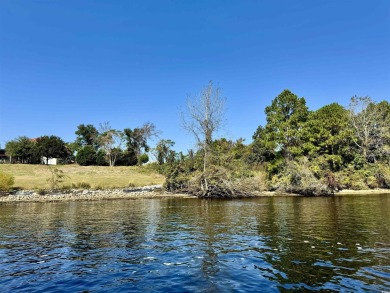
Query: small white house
51 161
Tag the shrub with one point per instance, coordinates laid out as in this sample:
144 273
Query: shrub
383 176
142 159
81 185
6 181
101 158
297 177
126 158
57 177
86 156
41 191
66 188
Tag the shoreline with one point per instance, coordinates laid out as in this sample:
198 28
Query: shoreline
147 192
90 195
363 192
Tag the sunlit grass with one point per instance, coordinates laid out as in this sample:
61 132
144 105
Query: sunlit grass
35 176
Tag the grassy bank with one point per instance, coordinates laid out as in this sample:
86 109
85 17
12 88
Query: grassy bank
35 176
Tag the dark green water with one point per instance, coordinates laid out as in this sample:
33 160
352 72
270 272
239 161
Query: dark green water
189 245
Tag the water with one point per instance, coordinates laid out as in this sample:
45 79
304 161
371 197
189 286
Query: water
188 245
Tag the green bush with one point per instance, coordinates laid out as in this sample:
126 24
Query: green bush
368 176
101 158
126 158
86 156
142 159
6 181
383 176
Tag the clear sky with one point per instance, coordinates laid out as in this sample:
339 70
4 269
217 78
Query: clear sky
63 63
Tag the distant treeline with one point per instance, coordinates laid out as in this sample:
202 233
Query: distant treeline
103 147
297 150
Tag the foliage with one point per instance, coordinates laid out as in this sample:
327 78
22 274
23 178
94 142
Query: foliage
23 149
163 149
86 156
81 185
101 158
308 152
371 127
297 176
111 141
143 159
227 175
6 181
87 135
56 178
51 147
285 118
322 151
127 158
137 138
300 151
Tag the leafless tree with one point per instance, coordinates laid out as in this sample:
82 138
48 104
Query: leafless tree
371 130
111 142
203 118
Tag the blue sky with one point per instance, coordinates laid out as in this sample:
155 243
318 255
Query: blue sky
63 63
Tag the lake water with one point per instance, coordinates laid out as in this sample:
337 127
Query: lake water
189 245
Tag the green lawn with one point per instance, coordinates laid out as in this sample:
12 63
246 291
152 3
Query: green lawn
35 176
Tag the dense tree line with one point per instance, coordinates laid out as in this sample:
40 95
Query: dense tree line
36 151
103 147
297 150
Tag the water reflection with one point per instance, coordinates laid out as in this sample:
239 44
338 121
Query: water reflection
186 245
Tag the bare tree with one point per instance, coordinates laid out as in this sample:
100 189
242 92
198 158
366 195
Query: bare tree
204 116
371 130
111 142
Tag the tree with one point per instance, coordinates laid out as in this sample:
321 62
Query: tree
23 148
51 147
127 158
87 135
327 135
162 150
370 124
86 156
143 159
137 139
11 148
111 142
285 118
204 117
261 149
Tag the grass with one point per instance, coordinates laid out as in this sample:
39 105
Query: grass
98 177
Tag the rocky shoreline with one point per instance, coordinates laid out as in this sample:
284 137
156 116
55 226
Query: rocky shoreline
154 191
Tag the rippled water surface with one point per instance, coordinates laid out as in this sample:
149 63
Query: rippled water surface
189 245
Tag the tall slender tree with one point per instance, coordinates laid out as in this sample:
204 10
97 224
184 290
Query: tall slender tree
203 118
